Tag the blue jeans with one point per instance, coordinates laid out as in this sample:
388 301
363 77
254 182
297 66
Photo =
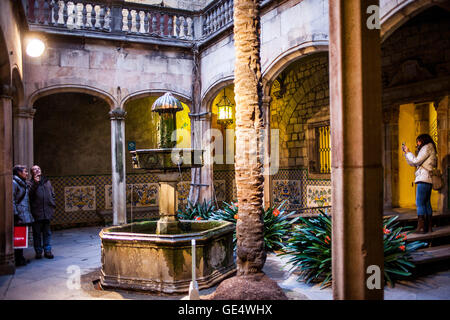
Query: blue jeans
423 195
41 229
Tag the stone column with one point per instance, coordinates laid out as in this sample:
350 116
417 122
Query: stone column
23 136
267 175
202 186
119 191
443 149
390 154
356 131
6 165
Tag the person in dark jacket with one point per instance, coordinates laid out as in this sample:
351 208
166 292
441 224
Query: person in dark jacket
42 199
21 206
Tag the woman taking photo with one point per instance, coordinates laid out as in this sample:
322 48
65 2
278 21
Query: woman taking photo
425 161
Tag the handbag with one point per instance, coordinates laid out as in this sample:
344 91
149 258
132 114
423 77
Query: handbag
436 179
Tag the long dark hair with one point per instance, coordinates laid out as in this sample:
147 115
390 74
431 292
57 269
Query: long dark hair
425 139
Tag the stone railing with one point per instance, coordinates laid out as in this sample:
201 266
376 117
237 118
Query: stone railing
120 18
217 16
117 17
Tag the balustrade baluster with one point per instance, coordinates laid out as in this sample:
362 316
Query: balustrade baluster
129 20
161 24
84 17
140 22
170 26
154 23
134 26
46 15
146 24
178 35
101 12
185 27
65 13
36 11
79 15
90 18
107 19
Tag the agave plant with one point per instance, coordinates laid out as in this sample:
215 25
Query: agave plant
309 250
196 211
277 224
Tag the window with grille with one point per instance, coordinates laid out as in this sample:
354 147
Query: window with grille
319 147
323 149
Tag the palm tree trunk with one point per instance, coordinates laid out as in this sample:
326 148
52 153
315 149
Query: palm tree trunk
249 122
250 283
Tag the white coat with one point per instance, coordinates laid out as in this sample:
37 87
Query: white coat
425 161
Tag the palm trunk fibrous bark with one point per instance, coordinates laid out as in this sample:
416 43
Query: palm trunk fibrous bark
249 123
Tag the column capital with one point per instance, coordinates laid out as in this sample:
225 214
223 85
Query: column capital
117 114
200 116
266 100
25 112
6 91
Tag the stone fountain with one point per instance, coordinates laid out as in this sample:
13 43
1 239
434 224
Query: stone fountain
156 256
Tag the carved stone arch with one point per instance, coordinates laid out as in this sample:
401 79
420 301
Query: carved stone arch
107 97
274 69
404 12
211 93
151 93
18 89
5 67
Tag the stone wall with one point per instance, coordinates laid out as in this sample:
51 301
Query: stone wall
106 65
72 135
419 50
305 95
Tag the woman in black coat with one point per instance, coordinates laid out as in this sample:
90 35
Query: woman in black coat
21 206
42 199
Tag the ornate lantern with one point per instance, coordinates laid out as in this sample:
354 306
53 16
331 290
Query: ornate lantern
224 111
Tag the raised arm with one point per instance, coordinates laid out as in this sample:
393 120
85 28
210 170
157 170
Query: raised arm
424 153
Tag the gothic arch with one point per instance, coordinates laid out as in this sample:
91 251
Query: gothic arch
153 92
286 58
108 98
213 91
5 68
398 16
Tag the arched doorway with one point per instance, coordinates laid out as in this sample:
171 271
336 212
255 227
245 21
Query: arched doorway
299 113
223 129
141 132
416 77
72 145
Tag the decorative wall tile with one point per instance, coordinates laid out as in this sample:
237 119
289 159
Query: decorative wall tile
81 198
138 194
183 189
318 196
287 190
221 191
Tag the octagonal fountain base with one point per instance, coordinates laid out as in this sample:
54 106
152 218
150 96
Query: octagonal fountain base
134 257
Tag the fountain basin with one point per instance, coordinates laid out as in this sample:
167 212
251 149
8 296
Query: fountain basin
167 159
134 257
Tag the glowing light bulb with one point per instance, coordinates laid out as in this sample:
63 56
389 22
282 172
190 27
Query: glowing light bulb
35 48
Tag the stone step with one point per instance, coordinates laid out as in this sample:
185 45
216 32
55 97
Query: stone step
431 255
438 232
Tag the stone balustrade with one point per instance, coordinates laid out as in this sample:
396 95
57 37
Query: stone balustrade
117 17
216 17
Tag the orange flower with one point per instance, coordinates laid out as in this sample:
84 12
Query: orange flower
327 238
386 231
198 218
276 212
236 216
402 248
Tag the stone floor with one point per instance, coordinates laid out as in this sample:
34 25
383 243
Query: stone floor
79 249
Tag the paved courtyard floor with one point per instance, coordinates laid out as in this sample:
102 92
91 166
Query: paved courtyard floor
79 249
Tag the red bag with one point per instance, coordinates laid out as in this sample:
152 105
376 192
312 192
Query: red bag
20 237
